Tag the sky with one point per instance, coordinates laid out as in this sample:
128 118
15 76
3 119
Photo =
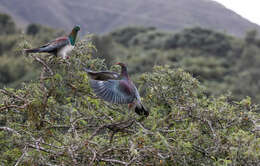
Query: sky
249 9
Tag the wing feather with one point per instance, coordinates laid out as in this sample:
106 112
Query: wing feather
102 75
54 45
113 91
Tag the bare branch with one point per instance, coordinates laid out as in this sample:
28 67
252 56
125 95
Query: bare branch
114 161
4 91
115 127
10 130
144 129
211 128
42 149
22 156
44 64
13 106
94 157
97 131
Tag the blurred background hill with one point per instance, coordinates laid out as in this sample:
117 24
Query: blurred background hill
99 16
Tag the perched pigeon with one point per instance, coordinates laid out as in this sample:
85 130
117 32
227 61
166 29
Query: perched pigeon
60 46
117 88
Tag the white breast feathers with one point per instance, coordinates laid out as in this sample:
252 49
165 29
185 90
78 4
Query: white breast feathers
65 50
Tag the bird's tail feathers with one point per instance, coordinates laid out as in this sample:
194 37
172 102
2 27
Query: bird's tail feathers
87 70
141 110
34 50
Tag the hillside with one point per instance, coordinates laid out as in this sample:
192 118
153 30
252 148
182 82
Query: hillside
101 16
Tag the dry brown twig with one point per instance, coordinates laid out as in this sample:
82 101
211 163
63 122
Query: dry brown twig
44 64
115 127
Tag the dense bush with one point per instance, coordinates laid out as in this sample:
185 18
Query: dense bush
125 35
199 38
57 120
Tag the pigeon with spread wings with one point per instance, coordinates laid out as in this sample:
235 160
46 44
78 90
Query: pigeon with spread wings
117 88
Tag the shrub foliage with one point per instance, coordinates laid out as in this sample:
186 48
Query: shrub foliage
57 120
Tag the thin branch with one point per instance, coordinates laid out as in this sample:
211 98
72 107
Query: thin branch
133 159
44 64
10 130
41 149
114 161
53 146
13 106
115 127
211 128
97 131
202 151
94 157
144 129
22 156
4 91
72 155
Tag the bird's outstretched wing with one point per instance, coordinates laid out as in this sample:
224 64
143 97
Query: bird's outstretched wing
113 91
102 75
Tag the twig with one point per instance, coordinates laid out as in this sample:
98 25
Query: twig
41 149
115 127
44 64
97 131
73 129
22 156
114 161
94 157
13 106
53 146
111 137
4 91
211 128
72 155
202 151
10 130
133 159
144 129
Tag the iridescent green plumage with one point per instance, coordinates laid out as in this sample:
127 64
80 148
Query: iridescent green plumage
73 34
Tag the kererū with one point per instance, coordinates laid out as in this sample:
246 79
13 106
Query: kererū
60 46
117 88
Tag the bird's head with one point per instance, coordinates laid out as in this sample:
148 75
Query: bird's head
76 28
123 69
73 34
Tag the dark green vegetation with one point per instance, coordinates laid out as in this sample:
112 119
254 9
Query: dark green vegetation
14 68
56 119
101 16
221 62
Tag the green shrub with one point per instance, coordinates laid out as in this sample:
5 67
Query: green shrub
57 119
